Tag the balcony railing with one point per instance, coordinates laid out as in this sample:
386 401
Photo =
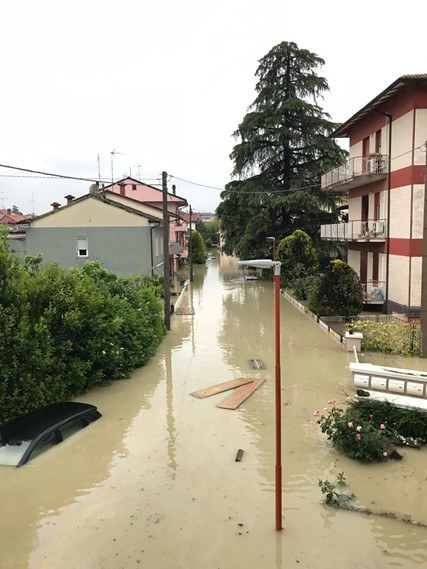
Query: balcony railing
356 172
371 230
373 292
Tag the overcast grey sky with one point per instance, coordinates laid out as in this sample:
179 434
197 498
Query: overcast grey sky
166 83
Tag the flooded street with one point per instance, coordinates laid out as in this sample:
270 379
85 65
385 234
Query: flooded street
154 482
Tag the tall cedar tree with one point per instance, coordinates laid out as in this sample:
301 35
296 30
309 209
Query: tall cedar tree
283 149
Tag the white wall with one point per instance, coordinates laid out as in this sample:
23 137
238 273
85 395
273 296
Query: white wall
354 209
398 288
420 136
354 260
401 142
400 212
416 281
418 212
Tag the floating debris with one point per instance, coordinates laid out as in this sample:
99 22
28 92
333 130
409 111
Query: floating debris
239 456
240 394
220 387
256 364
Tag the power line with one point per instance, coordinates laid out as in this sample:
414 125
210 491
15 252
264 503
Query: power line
50 175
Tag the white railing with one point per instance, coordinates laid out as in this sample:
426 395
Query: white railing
355 230
355 167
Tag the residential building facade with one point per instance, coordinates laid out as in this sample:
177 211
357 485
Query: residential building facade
123 236
153 197
384 178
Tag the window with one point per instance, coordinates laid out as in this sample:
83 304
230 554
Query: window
82 247
133 186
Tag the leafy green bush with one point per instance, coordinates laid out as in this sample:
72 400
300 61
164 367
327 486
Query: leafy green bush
337 291
401 339
198 248
369 430
65 330
299 260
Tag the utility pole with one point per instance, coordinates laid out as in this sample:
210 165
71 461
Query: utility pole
190 248
424 271
166 259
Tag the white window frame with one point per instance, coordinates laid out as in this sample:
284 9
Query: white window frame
79 242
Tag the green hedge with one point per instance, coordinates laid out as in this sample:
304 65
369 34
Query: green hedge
399 339
63 331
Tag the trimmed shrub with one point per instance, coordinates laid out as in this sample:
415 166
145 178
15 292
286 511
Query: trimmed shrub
337 291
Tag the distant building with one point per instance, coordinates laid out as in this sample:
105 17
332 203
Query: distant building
6 216
150 195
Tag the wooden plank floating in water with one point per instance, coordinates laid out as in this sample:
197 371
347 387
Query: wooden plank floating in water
220 387
256 364
240 394
184 311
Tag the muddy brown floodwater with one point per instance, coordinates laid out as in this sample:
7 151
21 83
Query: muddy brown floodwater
154 482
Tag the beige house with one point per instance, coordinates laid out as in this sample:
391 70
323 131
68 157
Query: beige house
124 236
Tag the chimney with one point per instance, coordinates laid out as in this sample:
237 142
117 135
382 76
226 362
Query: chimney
69 199
122 187
55 205
174 189
9 211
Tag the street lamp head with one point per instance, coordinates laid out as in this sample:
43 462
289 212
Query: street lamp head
270 238
261 264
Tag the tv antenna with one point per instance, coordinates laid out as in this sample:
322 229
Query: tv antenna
113 153
139 170
32 201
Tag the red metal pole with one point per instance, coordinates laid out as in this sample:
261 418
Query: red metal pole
278 403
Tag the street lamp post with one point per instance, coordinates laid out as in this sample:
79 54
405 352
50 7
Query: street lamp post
274 246
267 264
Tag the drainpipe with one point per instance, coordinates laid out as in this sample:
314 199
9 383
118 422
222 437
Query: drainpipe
424 271
151 248
390 120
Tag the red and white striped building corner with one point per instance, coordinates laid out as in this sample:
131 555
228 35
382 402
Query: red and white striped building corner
384 178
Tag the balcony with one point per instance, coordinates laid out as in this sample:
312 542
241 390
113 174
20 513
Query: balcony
371 230
355 172
373 292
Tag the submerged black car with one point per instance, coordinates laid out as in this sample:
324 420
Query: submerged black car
36 431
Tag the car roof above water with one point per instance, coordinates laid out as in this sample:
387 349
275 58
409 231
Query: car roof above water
33 424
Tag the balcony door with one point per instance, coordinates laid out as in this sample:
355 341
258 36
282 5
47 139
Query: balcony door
365 208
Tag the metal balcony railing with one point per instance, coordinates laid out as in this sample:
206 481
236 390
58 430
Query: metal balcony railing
355 172
357 230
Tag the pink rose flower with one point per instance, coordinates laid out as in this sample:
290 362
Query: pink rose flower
358 436
332 401
359 428
316 413
382 426
385 453
350 424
